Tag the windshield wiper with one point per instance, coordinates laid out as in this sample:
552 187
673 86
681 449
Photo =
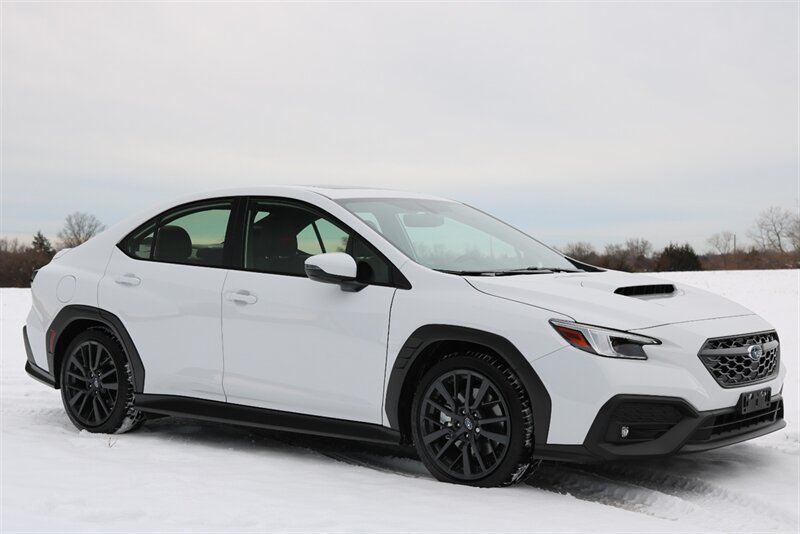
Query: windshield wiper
512 272
469 273
509 272
526 270
548 269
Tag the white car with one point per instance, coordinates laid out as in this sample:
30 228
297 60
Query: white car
394 317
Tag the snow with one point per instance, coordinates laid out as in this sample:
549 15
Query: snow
179 475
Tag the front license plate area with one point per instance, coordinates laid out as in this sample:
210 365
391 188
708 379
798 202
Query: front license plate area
754 401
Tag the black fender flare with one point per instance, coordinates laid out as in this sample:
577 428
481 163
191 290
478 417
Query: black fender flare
78 312
425 336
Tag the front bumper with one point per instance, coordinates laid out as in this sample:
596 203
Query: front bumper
663 426
580 383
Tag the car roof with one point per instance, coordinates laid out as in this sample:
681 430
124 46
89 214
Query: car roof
333 192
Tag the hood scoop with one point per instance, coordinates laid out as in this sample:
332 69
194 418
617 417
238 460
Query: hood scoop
646 291
616 300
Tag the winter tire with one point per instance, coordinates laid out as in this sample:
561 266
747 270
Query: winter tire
472 422
96 385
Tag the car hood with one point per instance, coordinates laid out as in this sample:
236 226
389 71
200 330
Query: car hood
610 298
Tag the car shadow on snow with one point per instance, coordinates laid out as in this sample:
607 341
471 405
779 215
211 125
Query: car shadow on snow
696 487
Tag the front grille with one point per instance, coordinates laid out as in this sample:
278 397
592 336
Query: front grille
733 423
729 361
743 341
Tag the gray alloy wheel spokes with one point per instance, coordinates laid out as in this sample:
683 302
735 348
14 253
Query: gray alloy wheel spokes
464 424
91 383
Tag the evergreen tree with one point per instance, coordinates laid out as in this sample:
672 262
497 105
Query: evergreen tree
42 245
679 258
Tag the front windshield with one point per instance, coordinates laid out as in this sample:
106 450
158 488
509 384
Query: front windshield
453 237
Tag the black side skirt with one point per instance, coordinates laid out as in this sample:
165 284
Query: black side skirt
223 412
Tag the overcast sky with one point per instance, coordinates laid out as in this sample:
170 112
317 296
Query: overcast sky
578 121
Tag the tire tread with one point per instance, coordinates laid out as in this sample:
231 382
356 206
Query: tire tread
527 464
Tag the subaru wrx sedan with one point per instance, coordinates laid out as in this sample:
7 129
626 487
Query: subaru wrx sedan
395 318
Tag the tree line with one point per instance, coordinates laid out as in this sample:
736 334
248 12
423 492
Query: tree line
18 261
774 244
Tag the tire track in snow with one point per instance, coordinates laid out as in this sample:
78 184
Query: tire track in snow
587 486
634 488
664 495
750 510
581 485
391 465
386 459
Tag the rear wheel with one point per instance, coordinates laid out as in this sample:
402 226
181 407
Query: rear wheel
472 422
96 384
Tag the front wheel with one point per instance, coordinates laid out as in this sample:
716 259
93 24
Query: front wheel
96 385
472 422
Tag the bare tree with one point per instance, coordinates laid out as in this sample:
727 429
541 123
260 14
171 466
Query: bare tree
581 251
772 228
639 247
615 257
639 252
722 242
794 232
79 228
10 246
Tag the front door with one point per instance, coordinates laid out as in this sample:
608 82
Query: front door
296 345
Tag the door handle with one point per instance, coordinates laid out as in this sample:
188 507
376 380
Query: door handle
241 297
128 279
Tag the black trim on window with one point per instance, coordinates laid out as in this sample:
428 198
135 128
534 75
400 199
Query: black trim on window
319 237
396 278
156 222
234 249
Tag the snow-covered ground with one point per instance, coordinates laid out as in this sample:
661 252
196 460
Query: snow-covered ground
180 475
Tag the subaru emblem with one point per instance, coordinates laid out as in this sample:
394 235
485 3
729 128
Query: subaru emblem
755 352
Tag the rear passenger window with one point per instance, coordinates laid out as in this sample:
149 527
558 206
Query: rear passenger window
192 235
140 243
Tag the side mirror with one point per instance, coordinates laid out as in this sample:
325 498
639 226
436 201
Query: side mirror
334 268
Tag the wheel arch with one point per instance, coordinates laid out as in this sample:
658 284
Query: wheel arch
74 319
427 344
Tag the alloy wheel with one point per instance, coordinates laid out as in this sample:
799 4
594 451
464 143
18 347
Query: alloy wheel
91 383
464 424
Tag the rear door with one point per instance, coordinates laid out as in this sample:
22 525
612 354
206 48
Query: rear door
164 282
296 345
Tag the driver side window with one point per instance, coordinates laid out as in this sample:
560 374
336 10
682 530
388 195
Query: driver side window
280 237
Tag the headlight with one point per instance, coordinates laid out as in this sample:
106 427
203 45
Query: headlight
604 341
